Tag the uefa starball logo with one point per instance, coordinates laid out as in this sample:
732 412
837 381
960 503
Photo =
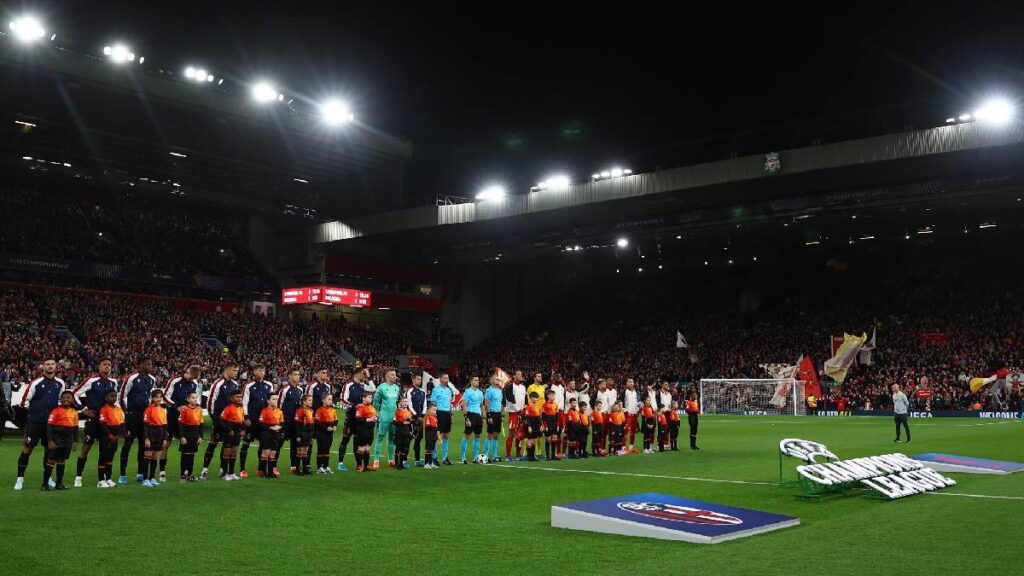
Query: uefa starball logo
674 513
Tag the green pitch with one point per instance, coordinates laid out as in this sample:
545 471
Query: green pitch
476 519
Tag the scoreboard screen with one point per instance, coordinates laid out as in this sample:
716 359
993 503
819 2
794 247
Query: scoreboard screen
326 295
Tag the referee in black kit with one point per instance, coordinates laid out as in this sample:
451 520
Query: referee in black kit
900 406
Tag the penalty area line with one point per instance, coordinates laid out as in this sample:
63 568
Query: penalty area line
636 475
964 495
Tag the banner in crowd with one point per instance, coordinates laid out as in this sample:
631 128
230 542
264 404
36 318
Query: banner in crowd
933 338
980 382
131 274
840 362
807 373
682 343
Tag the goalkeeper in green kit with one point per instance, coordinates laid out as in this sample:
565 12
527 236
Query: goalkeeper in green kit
385 400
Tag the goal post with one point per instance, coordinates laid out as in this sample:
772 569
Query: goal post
765 397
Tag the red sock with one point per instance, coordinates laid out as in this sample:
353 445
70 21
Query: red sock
508 447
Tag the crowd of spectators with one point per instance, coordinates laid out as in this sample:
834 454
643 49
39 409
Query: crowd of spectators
736 321
177 334
97 225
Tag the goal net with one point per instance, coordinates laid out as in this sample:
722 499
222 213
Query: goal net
751 396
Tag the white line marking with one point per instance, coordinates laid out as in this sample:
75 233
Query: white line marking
992 496
636 474
722 480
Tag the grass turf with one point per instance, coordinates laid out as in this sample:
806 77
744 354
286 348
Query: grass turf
470 519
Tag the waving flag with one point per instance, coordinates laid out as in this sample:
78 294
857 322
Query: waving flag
980 382
502 376
837 366
681 340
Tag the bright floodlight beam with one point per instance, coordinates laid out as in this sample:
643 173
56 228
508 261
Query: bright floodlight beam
996 111
264 92
556 182
491 193
27 29
335 112
119 53
622 242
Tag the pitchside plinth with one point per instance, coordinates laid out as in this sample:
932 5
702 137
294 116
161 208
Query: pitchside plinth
967 464
665 517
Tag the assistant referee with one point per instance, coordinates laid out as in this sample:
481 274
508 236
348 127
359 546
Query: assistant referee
900 406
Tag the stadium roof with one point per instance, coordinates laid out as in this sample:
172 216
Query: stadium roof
147 122
925 164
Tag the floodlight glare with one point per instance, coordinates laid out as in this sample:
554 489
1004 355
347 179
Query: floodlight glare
119 53
335 112
491 193
996 111
558 182
622 242
616 172
27 29
264 92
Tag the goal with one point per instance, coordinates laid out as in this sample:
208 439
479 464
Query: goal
751 396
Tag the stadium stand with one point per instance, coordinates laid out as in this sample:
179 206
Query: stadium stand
123 228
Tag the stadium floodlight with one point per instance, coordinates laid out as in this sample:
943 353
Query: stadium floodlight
616 172
986 225
622 242
950 120
26 158
964 117
264 92
627 171
556 182
996 111
606 174
595 176
119 54
491 193
27 29
196 74
178 154
301 180
335 112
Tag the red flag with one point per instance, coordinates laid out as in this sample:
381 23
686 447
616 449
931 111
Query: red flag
805 371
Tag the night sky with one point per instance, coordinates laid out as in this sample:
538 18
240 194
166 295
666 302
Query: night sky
509 92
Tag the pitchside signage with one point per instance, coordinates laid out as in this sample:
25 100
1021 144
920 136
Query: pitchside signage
654 515
892 475
967 464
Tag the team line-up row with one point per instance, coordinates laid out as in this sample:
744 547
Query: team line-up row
307 417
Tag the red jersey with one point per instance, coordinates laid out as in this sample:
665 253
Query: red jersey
63 417
549 409
403 416
598 417
191 416
533 411
365 412
155 416
271 416
673 415
573 416
326 415
647 412
692 407
584 418
111 415
617 418
430 421
661 419
303 415
233 414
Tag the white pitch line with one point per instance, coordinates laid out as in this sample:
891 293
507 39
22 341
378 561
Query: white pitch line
992 496
721 480
637 474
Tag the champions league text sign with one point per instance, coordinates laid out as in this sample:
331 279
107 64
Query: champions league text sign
892 475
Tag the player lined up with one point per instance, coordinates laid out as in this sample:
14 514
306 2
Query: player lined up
558 417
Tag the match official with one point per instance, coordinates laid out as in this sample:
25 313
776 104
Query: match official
900 406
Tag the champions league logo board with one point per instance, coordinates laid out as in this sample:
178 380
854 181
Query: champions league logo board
666 517
891 475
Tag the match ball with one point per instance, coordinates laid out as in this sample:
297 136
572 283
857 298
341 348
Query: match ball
481 459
